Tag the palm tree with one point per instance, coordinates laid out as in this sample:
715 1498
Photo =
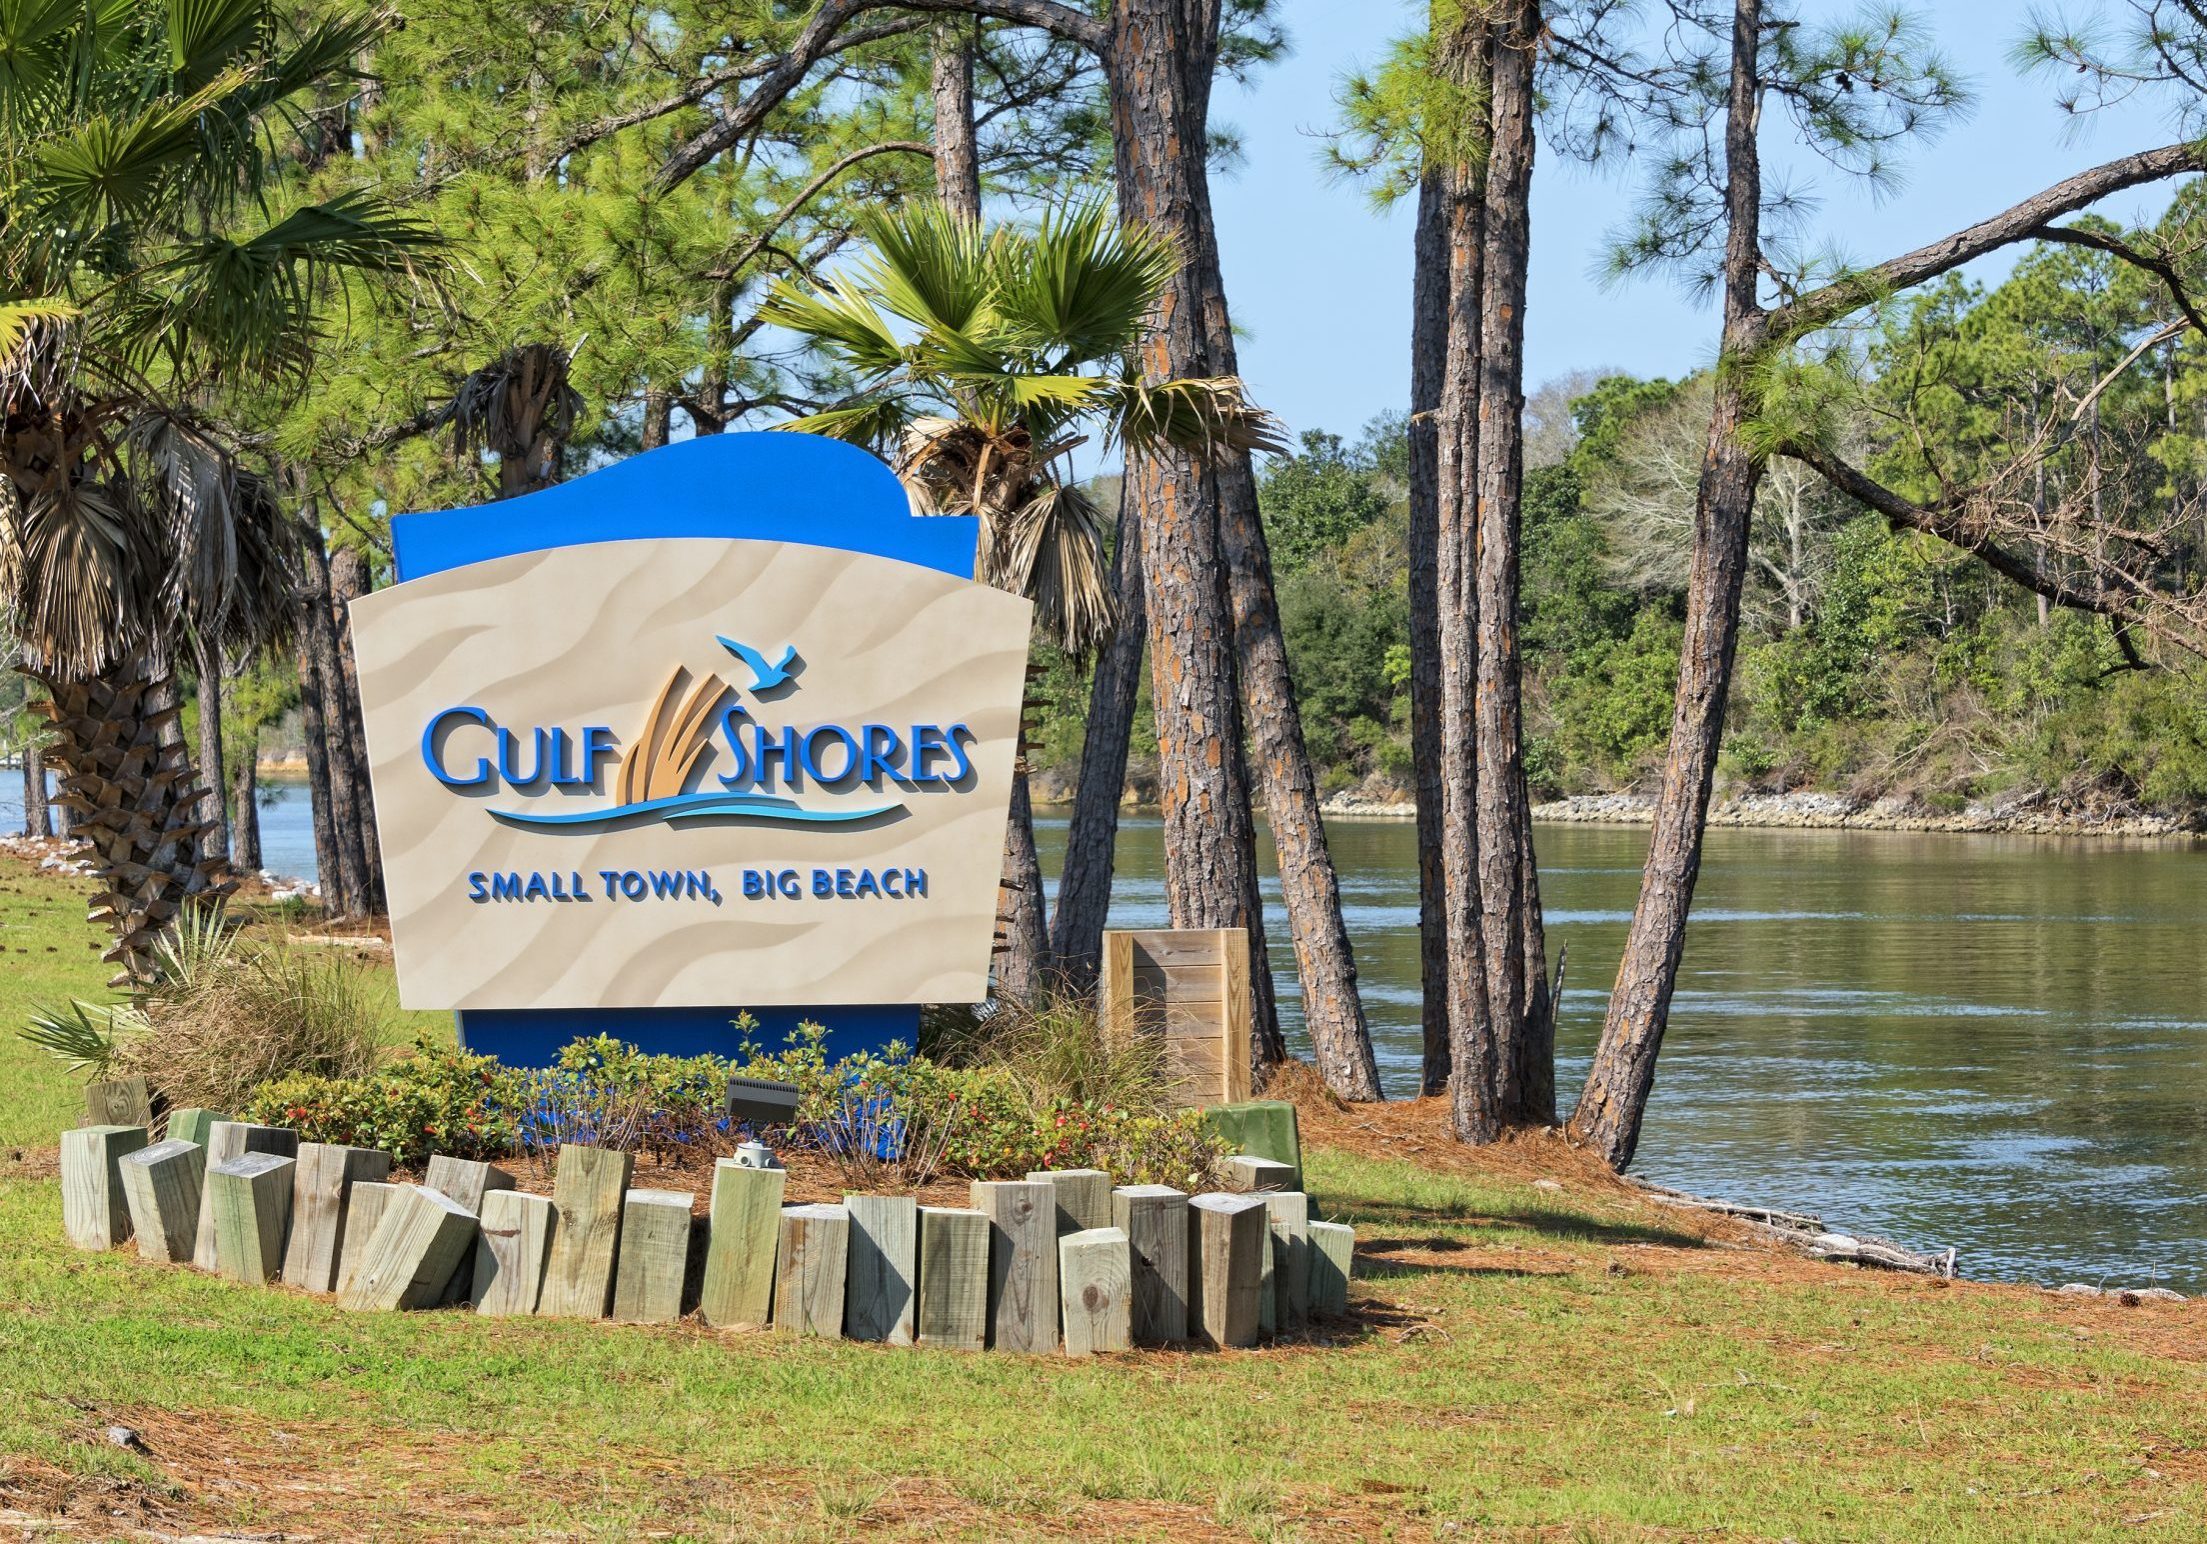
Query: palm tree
146 268
982 360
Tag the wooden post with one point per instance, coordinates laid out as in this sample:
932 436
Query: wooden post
364 1208
227 1139
1096 1276
739 1250
1227 1242
95 1213
809 1274
250 1196
321 1187
410 1256
587 1191
1287 1216
1154 1219
1332 1256
466 1181
655 1256
118 1102
1234 973
1023 1263
161 1185
191 1124
1245 1175
881 1283
510 1250
1083 1198
954 1278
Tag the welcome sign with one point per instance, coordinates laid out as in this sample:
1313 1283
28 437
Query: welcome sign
721 727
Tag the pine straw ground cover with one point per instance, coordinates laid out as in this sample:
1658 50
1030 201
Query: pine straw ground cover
1523 1361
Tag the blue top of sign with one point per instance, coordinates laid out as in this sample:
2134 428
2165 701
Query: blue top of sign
767 486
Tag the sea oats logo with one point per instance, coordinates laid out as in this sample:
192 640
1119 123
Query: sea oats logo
653 777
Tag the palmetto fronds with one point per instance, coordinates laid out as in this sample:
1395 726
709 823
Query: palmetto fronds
521 407
145 264
981 361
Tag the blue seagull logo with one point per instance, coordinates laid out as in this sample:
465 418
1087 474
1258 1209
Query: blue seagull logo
764 677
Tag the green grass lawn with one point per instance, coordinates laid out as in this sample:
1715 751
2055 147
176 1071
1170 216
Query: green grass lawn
1522 1361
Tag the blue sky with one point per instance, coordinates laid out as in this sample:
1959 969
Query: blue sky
1320 282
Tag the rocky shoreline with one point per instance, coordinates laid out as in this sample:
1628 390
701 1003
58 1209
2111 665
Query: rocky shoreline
2037 815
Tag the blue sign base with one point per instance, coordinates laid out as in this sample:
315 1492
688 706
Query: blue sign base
533 1037
761 486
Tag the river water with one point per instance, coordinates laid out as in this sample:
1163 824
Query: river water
1998 1043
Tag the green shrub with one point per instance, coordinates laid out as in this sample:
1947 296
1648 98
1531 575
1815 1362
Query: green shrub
439 1100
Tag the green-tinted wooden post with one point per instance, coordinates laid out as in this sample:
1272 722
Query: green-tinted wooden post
655 1255
95 1213
1096 1282
746 1221
588 1190
162 1185
510 1252
954 1278
881 1283
1332 1261
1155 1220
250 1196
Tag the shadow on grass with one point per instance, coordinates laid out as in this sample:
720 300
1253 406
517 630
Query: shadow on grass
1567 1226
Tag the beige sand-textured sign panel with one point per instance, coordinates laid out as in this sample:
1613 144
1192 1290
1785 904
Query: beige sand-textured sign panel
491 910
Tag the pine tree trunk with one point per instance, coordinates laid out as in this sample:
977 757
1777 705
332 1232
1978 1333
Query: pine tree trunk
127 774
1475 1059
1159 62
38 819
332 862
657 420
957 148
245 806
1429 334
217 839
350 815
1525 1080
1084 882
1614 1101
348 578
1026 942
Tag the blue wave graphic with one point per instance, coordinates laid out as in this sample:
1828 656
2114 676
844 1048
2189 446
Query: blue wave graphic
696 806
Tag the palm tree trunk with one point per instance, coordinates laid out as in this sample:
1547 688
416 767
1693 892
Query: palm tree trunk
127 774
245 808
1429 334
1084 883
1614 1101
1515 947
1474 1057
348 579
1159 62
38 818
217 839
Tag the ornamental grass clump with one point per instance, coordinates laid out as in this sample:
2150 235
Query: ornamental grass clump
225 1016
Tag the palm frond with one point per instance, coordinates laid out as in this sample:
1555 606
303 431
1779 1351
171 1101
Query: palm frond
234 553
878 423
207 37
1051 550
928 266
1083 284
79 1033
21 323
88 572
1206 417
839 319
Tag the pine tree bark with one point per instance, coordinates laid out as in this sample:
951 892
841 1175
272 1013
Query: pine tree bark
1429 335
38 818
332 860
956 141
1513 937
346 888
1158 60
1084 882
1475 1062
126 773
1614 1101
216 839
245 806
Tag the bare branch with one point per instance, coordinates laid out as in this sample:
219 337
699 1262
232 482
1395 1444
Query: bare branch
817 40
805 195
1828 304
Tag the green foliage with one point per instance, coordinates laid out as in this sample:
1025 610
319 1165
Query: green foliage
1316 499
438 1100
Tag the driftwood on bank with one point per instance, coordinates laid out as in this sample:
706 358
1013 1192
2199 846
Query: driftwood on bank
1799 1230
